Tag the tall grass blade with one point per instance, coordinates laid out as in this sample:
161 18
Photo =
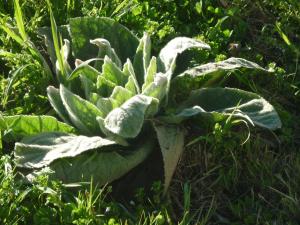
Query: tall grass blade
55 37
11 33
11 81
22 38
19 20
122 8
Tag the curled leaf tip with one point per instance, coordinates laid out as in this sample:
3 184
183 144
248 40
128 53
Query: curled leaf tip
100 42
78 62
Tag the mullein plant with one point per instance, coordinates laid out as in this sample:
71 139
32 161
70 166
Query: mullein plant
117 103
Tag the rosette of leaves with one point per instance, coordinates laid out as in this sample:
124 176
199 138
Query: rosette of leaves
118 104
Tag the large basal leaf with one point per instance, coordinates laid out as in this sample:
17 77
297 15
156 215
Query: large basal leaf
167 56
41 150
100 166
171 142
127 120
207 74
81 112
22 125
219 103
85 29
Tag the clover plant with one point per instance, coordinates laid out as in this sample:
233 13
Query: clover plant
118 103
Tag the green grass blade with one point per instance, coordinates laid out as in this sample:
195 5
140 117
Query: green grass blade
22 38
55 37
19 20
11 33
12 80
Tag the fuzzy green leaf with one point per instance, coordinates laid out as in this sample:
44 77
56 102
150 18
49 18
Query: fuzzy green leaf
105 49
104 87
120 95
85 29
41 150
81 112
129 71
167 56
88 85
85 69
105 105
208 74
171 142
57 104
219 103
151 71
158 88
142 58
112 72
117 98
131 85
127 120
101 166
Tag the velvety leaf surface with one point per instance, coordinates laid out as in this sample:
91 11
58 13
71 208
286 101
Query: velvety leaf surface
119 96
88 86
85 29
167 56
158 88
105 49
85 69
104 87
129 71
131 85
127 120
57 104
208 74
150 74
142 58
171 142
40 150
105 105
81 112
112 72
219 103
102 166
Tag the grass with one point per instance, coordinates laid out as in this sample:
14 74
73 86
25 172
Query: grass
49 202
252 183
220 179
